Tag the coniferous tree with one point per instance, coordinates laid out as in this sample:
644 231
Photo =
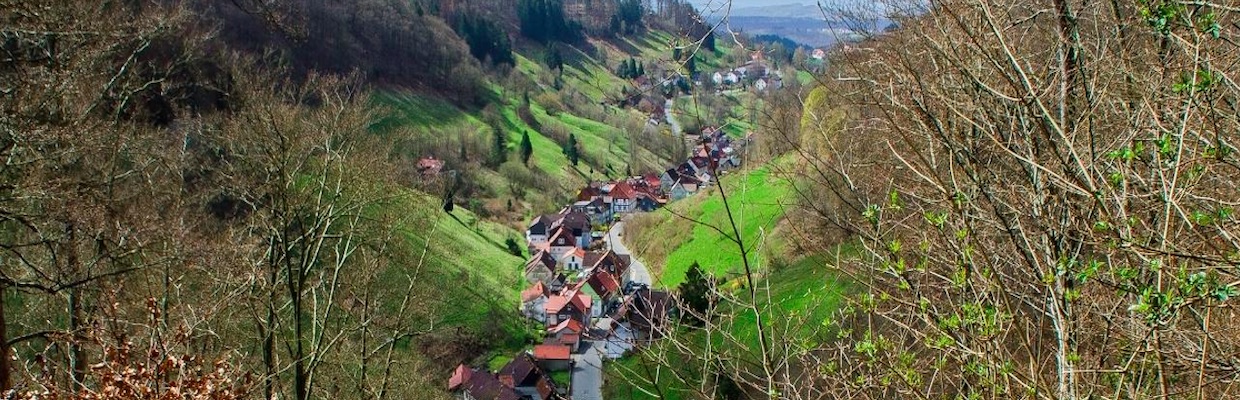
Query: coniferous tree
527 148
695 294
499 148
570 149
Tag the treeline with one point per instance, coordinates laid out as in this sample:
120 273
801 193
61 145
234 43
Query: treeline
628 18
544 21
388 42
185 220
631 69
488 41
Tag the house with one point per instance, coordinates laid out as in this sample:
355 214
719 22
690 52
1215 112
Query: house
572 304
760 84
669 177
647 201
605 290
561 242
648 312
539 230
600 212
622 197
573 260
429 167
717 78
609 261
541 267
818 54
731 78
553 357
568 333
683 187
523 375
577 222
477 384
534 302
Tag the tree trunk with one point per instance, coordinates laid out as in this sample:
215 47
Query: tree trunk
5 382
77 357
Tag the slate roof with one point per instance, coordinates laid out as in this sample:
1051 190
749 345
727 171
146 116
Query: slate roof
546 259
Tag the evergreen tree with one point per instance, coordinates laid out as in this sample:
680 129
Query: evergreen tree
695 294
570 149
527 148
499 148
641 69
554 60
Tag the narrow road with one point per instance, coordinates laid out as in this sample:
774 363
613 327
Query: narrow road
671 119
637 270
588 373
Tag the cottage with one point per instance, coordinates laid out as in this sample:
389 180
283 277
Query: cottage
610 262
568 333
429 167
605 290
717 78
760 84
539 230
541 267
648 312
572 304
561 242
534 302
477 384
553 357
523 375
573 259
576 222
622 197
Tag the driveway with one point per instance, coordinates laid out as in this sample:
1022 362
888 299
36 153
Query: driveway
588 373
637 270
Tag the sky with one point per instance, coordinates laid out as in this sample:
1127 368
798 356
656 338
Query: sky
700 4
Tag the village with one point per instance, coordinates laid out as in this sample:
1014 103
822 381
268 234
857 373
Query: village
594 299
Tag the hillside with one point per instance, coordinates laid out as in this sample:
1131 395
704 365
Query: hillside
292 199
800 293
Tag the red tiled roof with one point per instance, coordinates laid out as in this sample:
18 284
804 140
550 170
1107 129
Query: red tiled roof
570 338
553 352
533 292
582 301
622 190
571 324
604 283
556 303
459 377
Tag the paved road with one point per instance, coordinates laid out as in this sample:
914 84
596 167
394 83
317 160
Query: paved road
588 373
637 270
668 112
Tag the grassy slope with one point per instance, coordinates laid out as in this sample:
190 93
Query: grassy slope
467 279
671 244
465 263
802 291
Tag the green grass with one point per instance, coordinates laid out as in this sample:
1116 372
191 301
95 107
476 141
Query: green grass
464 277
756 198
418 111
498 362
803 297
